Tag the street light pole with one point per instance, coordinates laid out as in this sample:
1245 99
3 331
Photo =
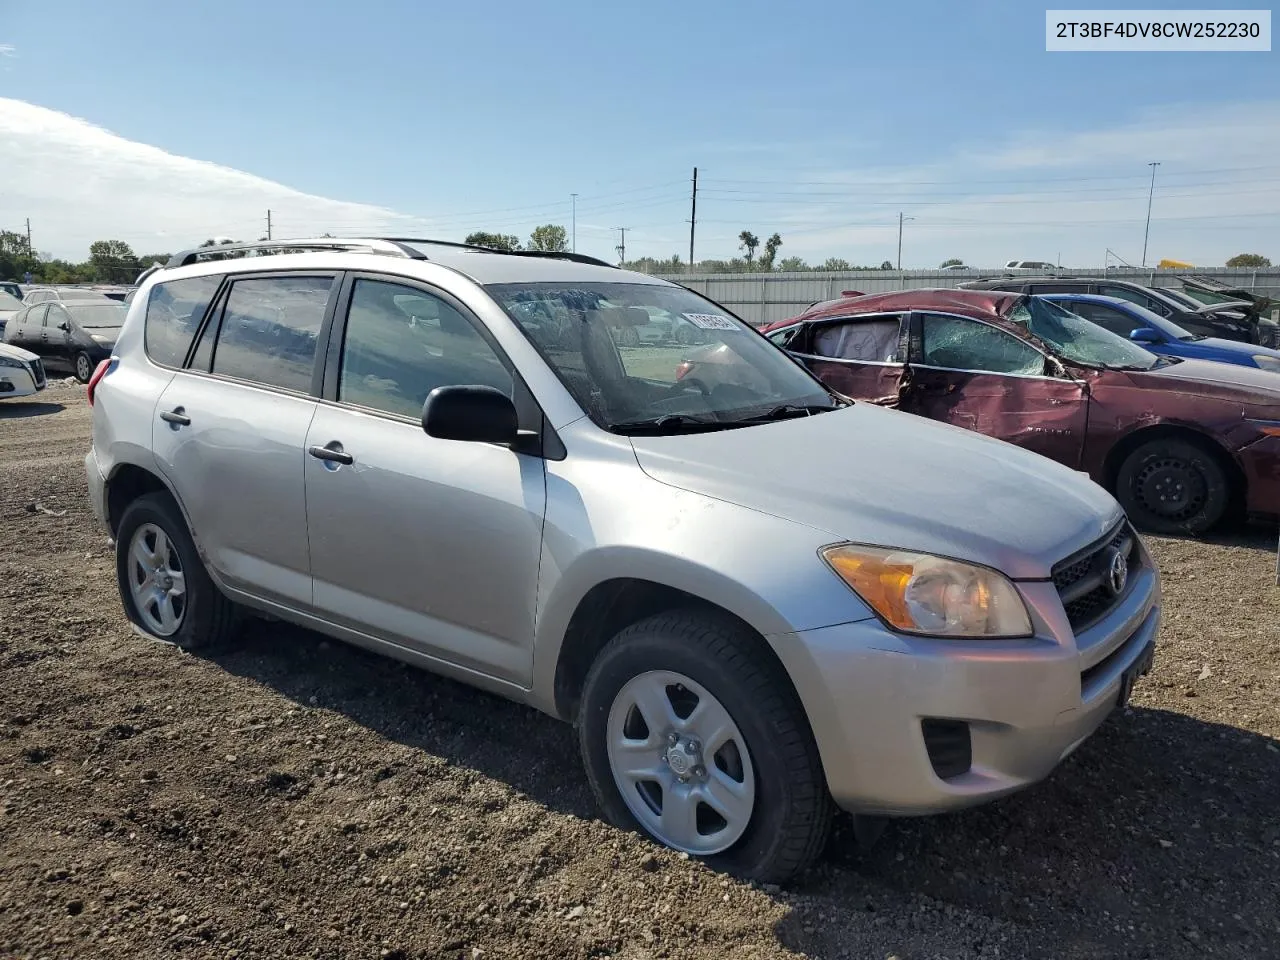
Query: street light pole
573 219
1150 196
901 218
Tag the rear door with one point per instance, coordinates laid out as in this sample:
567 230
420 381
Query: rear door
231 426
975 375
29 330
56 333
859 357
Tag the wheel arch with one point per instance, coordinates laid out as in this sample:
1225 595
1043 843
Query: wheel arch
129 481
610 606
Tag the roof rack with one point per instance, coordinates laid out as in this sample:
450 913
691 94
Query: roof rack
551 254
392 246
371 245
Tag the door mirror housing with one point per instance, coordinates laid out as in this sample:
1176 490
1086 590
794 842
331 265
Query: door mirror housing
470 413
1144 335
64 327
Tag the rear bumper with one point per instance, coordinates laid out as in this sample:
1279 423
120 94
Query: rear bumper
1023 705
97 489
1260 462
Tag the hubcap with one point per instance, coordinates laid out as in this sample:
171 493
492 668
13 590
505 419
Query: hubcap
156 581
680 763
1171 488
82 366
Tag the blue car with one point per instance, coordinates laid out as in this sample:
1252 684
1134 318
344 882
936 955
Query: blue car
1162 336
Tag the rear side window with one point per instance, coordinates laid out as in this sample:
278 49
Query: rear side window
868 340
269 330
174 311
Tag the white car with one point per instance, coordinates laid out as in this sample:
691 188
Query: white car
21 372
1036 266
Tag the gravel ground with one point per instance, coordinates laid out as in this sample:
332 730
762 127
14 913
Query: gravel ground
298 798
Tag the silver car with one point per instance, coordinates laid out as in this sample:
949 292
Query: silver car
757 601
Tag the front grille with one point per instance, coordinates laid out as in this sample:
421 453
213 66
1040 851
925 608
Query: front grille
1083 579
37 372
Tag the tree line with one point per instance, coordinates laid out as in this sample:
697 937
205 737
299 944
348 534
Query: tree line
110 261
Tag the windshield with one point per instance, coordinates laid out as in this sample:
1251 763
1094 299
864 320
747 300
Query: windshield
1079 340
98 315
1178 297
649 355
9 303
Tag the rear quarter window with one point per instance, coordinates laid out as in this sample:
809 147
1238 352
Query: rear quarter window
174 312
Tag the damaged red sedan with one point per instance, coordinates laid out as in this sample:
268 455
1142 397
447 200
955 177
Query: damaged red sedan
1182 444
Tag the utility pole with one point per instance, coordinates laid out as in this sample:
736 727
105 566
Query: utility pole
900 219
573 219
693 216
30 252
268 224
622 246
1150 196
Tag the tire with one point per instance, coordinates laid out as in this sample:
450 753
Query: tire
1196 489
84 366
689 654
198 616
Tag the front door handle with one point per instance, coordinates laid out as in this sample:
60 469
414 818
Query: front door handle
330 455
176 417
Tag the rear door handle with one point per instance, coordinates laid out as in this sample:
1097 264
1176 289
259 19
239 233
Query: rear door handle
331 455
176 417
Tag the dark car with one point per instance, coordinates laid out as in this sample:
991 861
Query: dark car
68 333
1238 320
1182 444
11 288
1164 337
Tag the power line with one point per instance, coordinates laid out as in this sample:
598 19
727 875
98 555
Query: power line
896 182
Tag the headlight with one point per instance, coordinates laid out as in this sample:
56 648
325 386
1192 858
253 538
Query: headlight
12 362
98 339
920 593
1267 363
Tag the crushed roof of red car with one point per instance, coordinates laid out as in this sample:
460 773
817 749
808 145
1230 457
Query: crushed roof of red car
978 303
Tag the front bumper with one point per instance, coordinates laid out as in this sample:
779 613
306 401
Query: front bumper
19 382
1026 704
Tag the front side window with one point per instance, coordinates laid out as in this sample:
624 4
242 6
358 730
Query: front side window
269 330
174 312
640 355
401 343
1109 318
873 341
1133 296
956 343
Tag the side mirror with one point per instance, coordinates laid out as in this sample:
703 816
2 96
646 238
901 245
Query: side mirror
1144 335
64 327
473 413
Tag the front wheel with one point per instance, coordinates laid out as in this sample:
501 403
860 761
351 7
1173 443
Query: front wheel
689 733
84 367
1173 486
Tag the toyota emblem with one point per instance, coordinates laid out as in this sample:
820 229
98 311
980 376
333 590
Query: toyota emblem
1118 573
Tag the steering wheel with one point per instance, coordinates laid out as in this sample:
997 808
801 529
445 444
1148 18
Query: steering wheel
680 388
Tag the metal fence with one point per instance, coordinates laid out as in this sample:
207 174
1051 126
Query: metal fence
761 298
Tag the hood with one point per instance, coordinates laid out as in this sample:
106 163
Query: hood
1247 386
883 477
17 353
1233 347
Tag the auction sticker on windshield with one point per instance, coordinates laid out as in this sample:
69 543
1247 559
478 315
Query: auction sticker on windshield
710 321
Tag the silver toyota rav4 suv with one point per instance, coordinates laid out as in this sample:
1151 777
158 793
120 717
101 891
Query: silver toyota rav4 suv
757 601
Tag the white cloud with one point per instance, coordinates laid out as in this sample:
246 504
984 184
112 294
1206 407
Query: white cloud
8 50
79 183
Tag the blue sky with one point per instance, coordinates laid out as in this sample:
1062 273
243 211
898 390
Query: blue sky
822 125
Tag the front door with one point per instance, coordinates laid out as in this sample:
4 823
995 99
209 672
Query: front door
431 544
229 433
974 375
859 357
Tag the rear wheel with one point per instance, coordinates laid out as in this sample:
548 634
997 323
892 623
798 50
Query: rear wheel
1173 486
688 734
84 367
164 587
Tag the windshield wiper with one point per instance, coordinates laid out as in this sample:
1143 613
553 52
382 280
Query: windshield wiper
788 411
668 424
